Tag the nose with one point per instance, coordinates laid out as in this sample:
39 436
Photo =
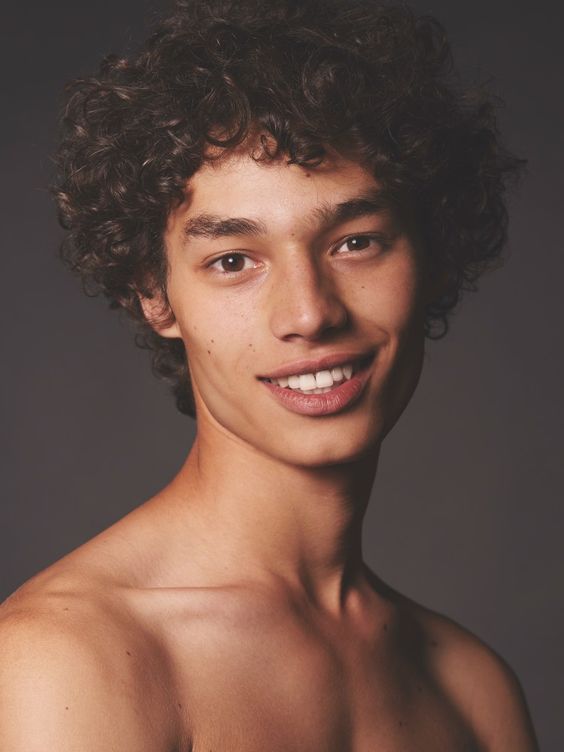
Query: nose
304 301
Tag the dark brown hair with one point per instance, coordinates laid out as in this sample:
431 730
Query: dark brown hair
370 80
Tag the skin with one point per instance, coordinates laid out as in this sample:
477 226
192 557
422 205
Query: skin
234 611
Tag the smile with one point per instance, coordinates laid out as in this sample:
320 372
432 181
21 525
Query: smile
321 392
319 382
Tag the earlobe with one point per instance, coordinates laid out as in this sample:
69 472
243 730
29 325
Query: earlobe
159 316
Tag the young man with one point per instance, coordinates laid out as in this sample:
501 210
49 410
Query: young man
288 198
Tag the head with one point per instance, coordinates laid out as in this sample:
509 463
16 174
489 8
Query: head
308 86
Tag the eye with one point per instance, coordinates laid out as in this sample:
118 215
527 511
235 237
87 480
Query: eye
361 243
231 263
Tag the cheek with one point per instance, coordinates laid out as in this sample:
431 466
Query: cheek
389 298
218 335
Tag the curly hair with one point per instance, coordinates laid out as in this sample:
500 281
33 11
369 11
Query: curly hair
369 80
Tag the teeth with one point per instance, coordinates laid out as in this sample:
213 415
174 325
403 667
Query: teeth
323 379
316 383
307 382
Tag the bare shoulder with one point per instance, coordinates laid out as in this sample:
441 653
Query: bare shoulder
74 673
478 680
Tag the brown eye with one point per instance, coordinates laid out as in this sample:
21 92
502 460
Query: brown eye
362 243
358 244
231 263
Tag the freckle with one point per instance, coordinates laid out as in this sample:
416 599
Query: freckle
65 609
128 653
209 352
212 341
362 287
66 707
401 723
385 627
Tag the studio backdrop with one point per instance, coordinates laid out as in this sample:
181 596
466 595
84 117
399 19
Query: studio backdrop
467 510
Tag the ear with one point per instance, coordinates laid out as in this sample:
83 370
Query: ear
159 315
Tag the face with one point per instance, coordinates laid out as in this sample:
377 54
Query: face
276 270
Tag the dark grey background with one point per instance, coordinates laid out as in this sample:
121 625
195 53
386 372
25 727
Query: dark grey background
467 512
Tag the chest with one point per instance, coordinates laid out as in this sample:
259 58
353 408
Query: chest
302 697
320 726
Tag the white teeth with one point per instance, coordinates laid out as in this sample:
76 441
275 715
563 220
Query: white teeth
323 379
307 382
315 383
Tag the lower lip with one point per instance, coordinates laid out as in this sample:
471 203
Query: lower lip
329 403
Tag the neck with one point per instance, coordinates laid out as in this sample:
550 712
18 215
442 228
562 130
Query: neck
257 517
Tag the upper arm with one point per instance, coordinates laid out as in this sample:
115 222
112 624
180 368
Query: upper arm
481 685
59 691
499 707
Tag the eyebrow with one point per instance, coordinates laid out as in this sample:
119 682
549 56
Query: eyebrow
328 215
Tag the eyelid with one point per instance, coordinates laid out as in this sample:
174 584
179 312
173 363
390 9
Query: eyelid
383 240
221 272
380 238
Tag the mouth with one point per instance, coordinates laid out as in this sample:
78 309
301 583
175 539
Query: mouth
334 387
324 379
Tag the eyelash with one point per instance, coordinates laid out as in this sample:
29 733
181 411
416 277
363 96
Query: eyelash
381 240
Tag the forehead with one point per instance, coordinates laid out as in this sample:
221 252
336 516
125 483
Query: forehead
272 191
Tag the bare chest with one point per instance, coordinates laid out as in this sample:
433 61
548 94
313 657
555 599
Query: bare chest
320 725
304 697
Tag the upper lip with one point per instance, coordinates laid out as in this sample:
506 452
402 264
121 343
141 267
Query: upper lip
323 363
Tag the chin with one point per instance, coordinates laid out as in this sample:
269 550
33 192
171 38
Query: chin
334 459
317 448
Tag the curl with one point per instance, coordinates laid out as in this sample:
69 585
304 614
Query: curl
371 81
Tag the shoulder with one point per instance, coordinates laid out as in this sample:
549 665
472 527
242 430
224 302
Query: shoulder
74 673
478 680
